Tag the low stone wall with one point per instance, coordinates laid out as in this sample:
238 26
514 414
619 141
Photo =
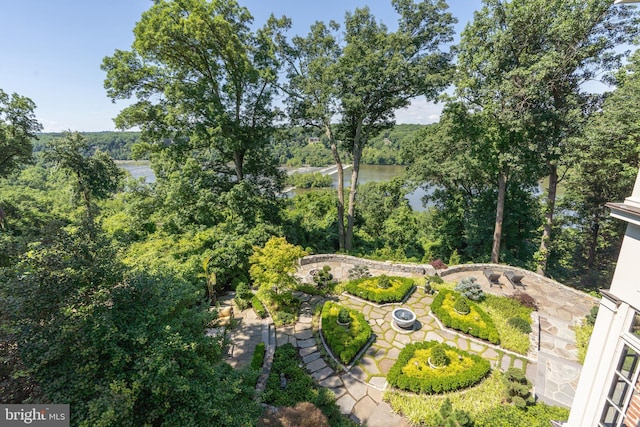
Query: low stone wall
348 261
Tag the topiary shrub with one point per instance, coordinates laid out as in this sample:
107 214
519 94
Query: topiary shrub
525 299
343 316
343 342
518 388
446 416
470 289
412 371
461 306
520 324
384 282
359 272
323 277
439 356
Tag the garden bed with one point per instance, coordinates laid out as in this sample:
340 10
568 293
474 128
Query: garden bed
414 370
344 341
476 323
381 289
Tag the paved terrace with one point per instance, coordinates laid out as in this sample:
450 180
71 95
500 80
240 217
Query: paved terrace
551 366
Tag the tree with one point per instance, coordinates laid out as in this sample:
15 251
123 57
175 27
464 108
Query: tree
273 266
95 177
204 83
18 126
529 77
381 71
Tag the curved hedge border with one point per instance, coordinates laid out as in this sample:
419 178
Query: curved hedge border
465 323
400 286
344 342
436 383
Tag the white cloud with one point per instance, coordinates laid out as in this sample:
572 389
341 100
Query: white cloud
419 112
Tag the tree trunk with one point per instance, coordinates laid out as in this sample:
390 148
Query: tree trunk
238 161
340 171
4 225
548 223
497 231
593 244
348 241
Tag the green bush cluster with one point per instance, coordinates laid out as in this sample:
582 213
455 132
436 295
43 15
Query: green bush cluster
243 296
442 382
469 288
447 416
300 386
480 327
439 356
367 288
344 343
461 305
518 388
309 180
258 307
258 356
520 324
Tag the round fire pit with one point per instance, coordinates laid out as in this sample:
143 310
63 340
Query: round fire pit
404 318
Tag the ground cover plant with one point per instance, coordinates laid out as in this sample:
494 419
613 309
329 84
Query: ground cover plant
345 341
380 289
432 367
512 319
484 403
299 387
476 322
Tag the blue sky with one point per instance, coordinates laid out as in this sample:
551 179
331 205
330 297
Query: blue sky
51 51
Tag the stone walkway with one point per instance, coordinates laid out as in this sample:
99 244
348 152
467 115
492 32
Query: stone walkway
552 367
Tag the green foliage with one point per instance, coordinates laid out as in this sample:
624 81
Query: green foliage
359 272
439 356
273 266
258 307
469 288
502 309
412 372
477 323
344 343
447 417
435 279
258 356
538 415
309 180
593 314
454 258
344 317
384 282
520 324
300 387
368 289
461 305
518 388
119 145
323 277
243 296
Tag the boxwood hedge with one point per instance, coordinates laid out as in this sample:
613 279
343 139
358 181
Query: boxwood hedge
344 342
367 288
477 323
440 380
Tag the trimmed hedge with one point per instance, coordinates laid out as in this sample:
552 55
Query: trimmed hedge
258 356
477 323
344 342
258 307
437 380
367 288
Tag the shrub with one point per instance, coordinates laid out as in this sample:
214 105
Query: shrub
470 289
520 324
477 323
368 289
454 259
438 264
384 282
525 299
343 316
258 307
323 277
439 356
518 388
258 356
591 317
344 343
243 296
359 272
583 336
412 372
435 279
446 416
461 305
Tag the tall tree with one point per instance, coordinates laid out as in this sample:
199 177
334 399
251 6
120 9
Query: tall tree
527 61
18 126
381 71
204 84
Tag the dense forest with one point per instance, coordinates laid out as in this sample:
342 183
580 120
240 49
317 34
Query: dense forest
106 282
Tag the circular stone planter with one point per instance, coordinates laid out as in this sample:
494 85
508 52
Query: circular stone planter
404 318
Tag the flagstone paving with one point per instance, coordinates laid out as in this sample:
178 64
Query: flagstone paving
552 368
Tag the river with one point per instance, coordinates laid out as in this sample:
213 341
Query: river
367 173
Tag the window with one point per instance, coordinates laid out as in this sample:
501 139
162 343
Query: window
622 389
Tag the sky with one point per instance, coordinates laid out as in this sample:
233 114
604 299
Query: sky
51 51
